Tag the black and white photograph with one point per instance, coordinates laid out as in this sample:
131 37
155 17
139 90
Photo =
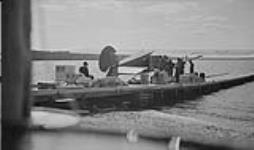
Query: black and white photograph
127 75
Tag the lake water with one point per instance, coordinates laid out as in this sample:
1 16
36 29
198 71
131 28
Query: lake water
84 141
232 107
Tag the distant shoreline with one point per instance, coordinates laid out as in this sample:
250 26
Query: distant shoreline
66 55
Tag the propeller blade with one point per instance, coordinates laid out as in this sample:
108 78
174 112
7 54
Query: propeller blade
107 58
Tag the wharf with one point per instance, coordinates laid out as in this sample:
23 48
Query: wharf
135 97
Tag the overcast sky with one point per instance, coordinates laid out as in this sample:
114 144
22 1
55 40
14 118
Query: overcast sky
142 24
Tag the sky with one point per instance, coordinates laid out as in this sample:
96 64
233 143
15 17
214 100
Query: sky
130 25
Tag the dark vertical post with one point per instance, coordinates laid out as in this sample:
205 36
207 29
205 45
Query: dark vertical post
150 63
16 26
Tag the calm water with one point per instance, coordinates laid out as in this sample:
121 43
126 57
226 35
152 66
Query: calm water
84 141
232 107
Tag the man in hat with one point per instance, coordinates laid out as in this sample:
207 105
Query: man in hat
84 70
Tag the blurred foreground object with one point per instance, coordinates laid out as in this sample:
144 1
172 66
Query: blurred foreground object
16 63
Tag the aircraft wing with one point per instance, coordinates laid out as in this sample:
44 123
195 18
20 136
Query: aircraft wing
229 57
130 70
213 57
139 59
185 57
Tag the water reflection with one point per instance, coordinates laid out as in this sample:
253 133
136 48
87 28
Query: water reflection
85 141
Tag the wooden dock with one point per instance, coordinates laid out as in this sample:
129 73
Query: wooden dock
134 97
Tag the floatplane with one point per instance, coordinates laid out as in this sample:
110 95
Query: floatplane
143 60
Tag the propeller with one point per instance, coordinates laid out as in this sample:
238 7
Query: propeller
107 58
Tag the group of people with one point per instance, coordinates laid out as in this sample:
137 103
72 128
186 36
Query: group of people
180 67
166 68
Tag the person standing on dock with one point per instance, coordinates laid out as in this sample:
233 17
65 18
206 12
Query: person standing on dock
84 70
177 69
181 64
191 66
169 67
